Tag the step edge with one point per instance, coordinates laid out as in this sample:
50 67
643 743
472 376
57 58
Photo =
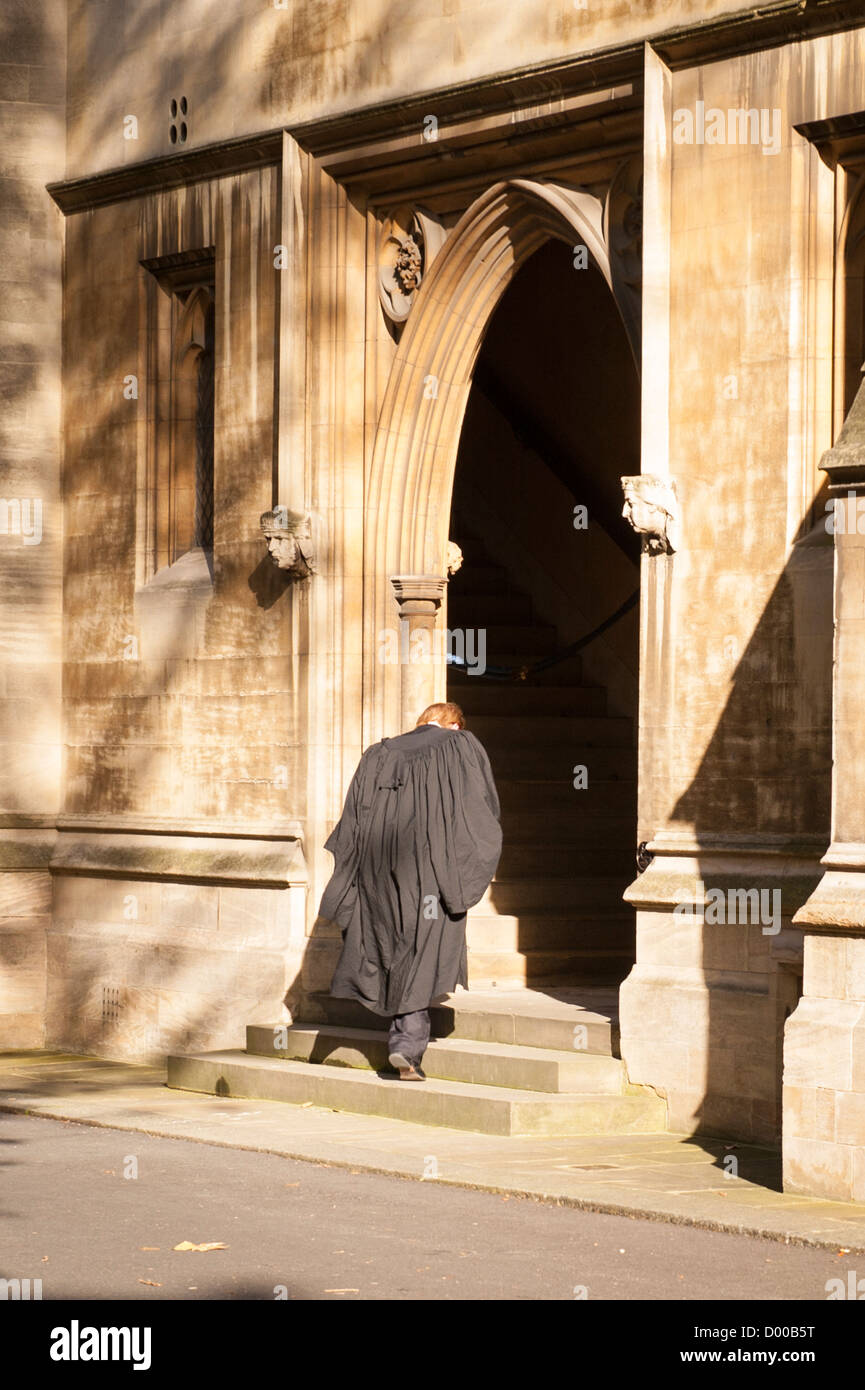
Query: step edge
501 1095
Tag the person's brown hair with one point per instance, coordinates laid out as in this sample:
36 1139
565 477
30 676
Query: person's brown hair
445 714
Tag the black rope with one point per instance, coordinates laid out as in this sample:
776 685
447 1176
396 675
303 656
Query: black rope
522 673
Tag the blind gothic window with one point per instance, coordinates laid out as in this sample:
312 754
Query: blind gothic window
181 337
191 505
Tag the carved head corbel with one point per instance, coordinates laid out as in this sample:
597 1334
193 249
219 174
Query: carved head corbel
652 508
454 558
289 541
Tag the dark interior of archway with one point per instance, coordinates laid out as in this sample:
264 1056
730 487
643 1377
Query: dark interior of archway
552 423
556 366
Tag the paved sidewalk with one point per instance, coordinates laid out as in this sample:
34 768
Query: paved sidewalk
664 1177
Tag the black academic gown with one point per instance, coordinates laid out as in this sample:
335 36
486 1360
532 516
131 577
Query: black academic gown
416 846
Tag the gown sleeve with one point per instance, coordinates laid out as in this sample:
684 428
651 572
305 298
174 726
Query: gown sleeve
463 822
344 843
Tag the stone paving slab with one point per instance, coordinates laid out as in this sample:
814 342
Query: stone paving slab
663 1177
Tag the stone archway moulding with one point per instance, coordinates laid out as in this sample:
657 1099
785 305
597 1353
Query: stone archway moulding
411 475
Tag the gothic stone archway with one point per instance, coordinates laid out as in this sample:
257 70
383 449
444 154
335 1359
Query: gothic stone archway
418 433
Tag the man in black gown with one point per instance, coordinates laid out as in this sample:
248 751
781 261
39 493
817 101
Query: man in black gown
416 846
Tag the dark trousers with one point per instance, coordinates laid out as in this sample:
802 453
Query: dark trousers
409 1035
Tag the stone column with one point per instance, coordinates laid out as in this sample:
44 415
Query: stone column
419 597
824 1043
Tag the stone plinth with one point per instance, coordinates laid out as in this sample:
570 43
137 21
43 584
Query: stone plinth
702 1012
824 1050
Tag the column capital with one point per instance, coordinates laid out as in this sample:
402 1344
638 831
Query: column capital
418 594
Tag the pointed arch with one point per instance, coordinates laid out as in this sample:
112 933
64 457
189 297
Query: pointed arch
422 412
418 433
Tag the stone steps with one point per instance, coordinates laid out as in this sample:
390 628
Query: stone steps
567 860
483 607
520 1017
559 795
480 697
509 969
565 675
483 578
554 913
502 968
538 896
553 762
590 930
505 731
451 1104
582 823
446 1059
517 641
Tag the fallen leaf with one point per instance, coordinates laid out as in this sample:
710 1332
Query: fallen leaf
152 1283
305 1106
291 1184
209 1245
109 1171
45 1259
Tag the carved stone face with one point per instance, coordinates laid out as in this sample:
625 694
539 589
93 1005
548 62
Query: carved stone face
455 557
287 535
282 550
651 508
645 517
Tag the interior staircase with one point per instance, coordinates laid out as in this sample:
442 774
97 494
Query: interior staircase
554 912
531 1048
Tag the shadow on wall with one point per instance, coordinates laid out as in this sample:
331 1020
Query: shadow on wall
759 807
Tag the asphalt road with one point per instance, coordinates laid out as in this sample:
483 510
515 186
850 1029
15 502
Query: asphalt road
302 1231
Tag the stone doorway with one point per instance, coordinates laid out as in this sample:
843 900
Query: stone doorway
551 423
417 440
532 1046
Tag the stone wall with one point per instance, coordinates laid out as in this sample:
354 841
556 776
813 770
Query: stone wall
180 882
146 955
32 117
259 64
736 661
824 1073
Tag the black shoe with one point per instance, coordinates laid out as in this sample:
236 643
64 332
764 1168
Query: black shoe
408 1071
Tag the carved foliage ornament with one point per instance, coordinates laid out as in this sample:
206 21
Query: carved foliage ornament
652 508
289 541
408 241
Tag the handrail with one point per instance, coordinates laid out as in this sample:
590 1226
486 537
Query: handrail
523 673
